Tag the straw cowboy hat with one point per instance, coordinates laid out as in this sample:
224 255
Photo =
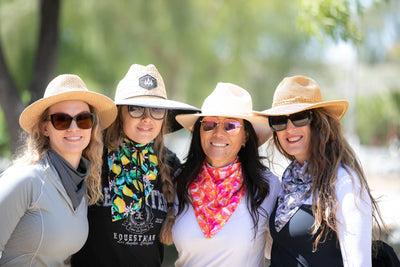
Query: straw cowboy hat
298 93
229 100
143 86
68 87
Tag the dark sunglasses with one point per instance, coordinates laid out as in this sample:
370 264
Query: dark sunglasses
138 112
300 119
231 126
62 121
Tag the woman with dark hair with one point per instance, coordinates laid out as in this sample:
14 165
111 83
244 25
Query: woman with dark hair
225 194
325 211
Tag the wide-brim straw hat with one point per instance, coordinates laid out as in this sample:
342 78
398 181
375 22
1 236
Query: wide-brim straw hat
68 87
229 100
143 86
298 93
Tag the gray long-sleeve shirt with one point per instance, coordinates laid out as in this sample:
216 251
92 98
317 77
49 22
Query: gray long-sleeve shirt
38 225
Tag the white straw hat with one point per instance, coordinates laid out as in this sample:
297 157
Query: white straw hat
229 100
68 87
298 93
143 86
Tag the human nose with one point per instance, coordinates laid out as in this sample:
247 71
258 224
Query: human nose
289 125
219 129
73 126
146 115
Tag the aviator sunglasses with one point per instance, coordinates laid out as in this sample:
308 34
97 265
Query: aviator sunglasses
231 126
300 119
138 112
62 121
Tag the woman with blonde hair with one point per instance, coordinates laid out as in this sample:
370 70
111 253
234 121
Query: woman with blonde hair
325 211
126 228
45 194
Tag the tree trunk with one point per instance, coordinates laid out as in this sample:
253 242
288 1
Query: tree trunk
46 54
10 102
43 70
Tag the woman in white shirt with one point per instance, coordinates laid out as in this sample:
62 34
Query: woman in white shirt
225 194
325 211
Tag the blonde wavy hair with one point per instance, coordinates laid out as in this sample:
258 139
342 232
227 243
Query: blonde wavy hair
328 152
37 145
113 140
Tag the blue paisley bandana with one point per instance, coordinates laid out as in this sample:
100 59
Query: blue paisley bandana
133 172
296 185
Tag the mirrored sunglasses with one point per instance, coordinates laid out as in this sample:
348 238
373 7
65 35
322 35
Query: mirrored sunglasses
62 121
231 126
300 119
138 112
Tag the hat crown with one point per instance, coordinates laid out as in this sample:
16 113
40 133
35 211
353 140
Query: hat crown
141 81
297 89
64 83
226 99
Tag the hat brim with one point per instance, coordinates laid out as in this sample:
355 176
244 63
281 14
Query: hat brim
104 105
259 123
174 108
155 102
337 108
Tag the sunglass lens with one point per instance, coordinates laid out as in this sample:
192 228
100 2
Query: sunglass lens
232 126
300 119
158 113
278 123
85 120
209 124
136 112
61 121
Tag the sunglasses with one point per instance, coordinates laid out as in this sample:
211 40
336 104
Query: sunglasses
138 112
231 126
300 119
62 121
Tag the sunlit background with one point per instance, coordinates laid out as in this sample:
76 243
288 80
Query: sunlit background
351 48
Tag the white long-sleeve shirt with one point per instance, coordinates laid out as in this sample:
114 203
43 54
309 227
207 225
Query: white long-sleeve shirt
234 245
354 220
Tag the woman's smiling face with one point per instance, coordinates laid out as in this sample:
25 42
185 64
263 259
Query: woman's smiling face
220 147
296 141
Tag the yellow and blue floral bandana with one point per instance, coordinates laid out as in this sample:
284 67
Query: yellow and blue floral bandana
133 172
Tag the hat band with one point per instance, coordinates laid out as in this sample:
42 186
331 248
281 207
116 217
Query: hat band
296 100
137 96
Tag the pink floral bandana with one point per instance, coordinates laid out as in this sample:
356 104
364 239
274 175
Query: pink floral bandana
215 195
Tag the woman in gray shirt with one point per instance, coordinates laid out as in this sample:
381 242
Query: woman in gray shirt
44 195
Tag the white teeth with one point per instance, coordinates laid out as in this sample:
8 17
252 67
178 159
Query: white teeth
294 139
219 145
73 138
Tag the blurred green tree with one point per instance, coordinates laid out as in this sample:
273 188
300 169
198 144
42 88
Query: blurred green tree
193 43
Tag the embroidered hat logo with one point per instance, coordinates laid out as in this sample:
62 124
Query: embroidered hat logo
148 82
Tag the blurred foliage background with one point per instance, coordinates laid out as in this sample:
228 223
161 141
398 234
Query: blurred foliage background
197 43
351 48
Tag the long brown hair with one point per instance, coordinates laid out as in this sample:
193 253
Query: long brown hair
37 145
329 151
113 140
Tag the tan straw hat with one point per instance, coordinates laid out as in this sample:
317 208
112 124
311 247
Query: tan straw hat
143 86
229 100
68 87
298 93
